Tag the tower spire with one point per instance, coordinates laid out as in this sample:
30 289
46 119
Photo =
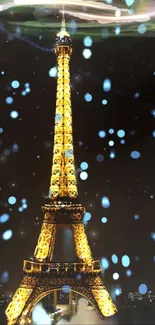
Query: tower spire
63 23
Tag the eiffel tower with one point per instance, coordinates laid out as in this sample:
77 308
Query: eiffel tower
62 210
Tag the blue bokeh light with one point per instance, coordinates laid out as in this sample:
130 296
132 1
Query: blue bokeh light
52 72
12 200
142 29
120 133
102 134
135 154
111 131
136 217
118 290
87 53
25 206
153 235
73 26
111 143
1 130
142 289
114 258
87 41
104 220
153 112
117 30
129 2
14 114
4 218
27 90
15 147
104 101
107 85
125 260
66 288
88 97
4 277
58 117
20 209
128 273
137 95
86 217
112 154
79 276
7 234
105 202
100 157
9 100
15 84
83 175
84 165
104 263
23 200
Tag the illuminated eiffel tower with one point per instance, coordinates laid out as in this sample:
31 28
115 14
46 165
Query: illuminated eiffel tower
42 276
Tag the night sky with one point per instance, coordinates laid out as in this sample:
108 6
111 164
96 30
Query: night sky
26 145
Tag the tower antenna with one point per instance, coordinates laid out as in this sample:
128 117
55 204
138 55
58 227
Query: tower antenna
63 19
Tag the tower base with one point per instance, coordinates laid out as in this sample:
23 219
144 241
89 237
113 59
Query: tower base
43 278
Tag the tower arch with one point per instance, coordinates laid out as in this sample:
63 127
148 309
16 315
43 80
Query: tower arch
26 314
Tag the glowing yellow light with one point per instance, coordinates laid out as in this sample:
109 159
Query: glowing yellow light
62 184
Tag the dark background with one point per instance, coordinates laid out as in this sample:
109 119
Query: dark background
129 183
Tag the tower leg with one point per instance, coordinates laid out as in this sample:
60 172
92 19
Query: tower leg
81 243
102 297
98 290
20 298
45 245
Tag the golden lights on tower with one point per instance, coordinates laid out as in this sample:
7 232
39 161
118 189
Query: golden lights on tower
42 276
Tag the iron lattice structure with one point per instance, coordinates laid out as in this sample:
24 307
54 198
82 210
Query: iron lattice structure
63 210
